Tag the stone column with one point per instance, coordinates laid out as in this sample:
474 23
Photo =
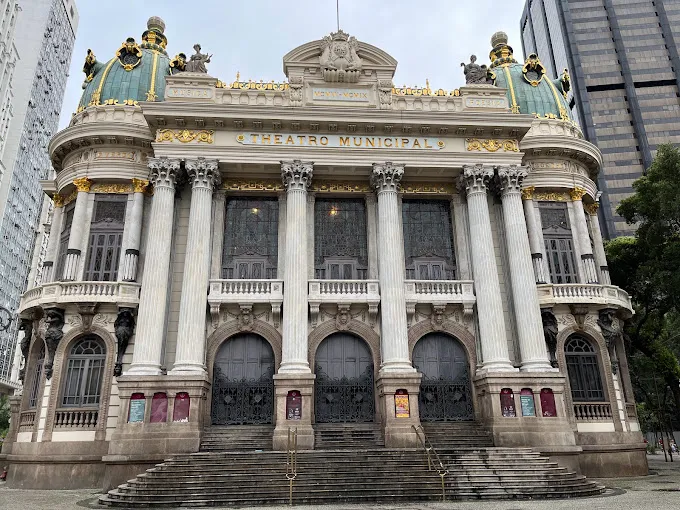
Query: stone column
53 241
297 176
460 238
385 179
75 239
134 229
146 358
309 248
535 243
218 218
281 252
583 238
190 356
600 256
371 236
489 305
524 296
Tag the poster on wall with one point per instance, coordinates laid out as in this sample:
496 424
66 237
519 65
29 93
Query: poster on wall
294 405
137 408
526 401
508 403
401 404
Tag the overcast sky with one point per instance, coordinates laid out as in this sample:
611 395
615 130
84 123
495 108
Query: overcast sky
428 39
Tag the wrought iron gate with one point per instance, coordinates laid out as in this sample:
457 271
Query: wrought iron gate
347 399
344 381
243 384
445 392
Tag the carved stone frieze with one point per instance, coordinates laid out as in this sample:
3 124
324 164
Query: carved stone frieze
386 176
385 94
87 312
297 175
295 90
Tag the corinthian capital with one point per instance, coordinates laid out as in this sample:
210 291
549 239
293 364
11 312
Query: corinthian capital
163 171
510 178
386 176
83 184
204 173
475 178
297 174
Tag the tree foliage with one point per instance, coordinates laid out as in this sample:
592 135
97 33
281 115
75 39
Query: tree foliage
648 267
4 415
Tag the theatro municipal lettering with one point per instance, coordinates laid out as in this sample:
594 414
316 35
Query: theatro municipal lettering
340 141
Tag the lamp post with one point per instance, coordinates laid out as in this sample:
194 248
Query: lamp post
5 318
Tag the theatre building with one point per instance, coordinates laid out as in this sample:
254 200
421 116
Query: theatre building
331 254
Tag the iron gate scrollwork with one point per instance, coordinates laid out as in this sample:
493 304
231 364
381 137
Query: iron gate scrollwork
246 401
445 400
345 399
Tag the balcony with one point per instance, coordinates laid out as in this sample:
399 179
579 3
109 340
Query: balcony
592 412
245 293
584 294
344 293
59 293
439 293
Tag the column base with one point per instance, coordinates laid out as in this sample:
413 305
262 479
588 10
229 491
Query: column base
537 366
188 368
399 429
288 418
496 366
397 367
144 369
294 367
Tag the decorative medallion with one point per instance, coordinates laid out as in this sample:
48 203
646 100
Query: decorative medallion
491 145
339 60
184 136
129 54
533 70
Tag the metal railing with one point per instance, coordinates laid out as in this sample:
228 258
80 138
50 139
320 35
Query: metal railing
434 463
291 462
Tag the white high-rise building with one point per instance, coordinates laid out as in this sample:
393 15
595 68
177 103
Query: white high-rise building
37 38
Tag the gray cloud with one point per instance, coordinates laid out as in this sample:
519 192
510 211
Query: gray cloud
428 39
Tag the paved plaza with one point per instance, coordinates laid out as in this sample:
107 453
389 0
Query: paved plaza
659 491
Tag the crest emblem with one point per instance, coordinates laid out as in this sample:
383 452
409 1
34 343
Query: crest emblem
129 54
339 60
533 70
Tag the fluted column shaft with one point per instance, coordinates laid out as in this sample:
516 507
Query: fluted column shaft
583 238
599 253
297 176
487 287
535 243
385 179
77 227
134 232
461 238
146 359
190 355
53 241
524 296
218 218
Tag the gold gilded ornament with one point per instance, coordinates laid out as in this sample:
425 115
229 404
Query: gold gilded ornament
139 185
58 200
551 197
577 193
83 184
184 136
591 208
101 187
492 145
528 193
234 185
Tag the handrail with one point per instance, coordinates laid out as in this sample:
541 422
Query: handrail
291 461
429 450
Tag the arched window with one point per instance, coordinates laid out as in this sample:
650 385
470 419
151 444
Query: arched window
37 376
583 370
84 373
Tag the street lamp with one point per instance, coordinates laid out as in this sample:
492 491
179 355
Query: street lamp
5 318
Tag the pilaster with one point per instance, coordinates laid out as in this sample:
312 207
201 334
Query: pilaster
53 241
297 176
598 252
190 356
535 242
75 239
134 232
583 236
146 358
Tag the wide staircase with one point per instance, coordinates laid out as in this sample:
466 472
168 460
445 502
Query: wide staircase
343 472
353 436
237 437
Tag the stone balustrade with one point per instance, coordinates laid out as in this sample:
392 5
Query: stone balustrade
55 293
592 412
344 293
440 293
76 418
26 421
246 293
584 293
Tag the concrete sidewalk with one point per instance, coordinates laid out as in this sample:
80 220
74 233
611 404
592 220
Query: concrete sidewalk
659 491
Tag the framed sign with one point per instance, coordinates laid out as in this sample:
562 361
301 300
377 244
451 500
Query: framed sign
159 408
526 401
181 410
508 403
137 408
548 403
293 405
402 408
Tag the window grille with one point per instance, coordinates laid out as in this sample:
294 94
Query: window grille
428 240
84 373
251 238
340 242
559 243
583 370
106 238
37 376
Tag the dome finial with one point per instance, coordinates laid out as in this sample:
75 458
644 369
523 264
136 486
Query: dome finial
156 23
499 38
502 51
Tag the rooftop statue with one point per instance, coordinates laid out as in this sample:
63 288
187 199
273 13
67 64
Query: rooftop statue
474 73
198 61
91 67
339 60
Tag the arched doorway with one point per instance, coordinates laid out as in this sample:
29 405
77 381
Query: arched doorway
445 393
344 380
243 384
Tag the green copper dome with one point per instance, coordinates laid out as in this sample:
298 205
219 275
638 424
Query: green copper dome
135 73
530 90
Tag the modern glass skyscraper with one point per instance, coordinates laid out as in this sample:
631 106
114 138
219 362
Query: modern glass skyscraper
44 36
625 72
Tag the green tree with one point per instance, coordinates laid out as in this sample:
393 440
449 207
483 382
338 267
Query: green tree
4 415
648 267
